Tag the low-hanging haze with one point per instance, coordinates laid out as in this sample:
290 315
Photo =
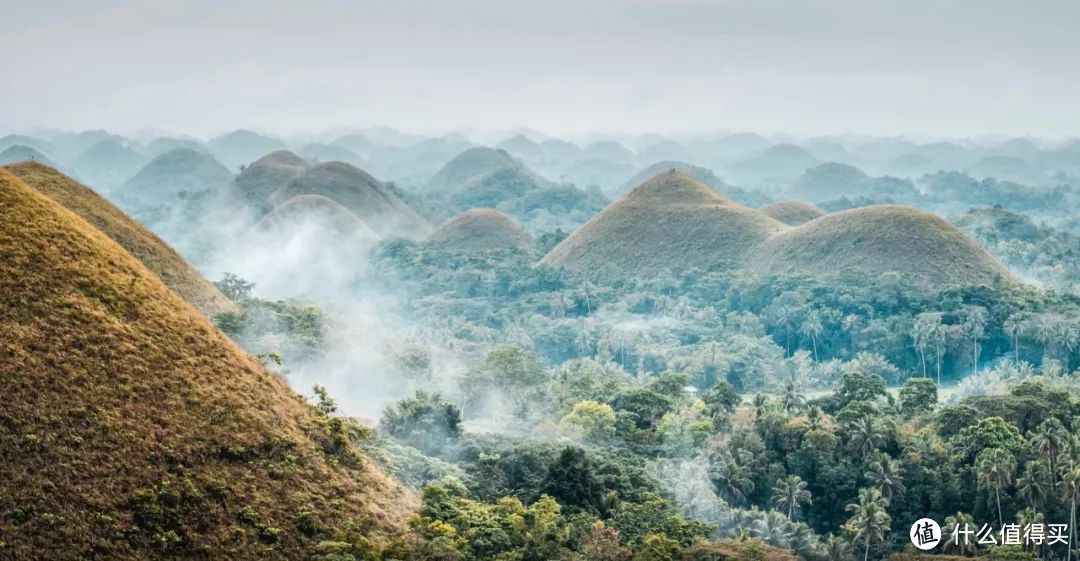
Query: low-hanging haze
962 67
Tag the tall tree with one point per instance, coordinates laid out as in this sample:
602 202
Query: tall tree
869 521
1035 484
1015 326
789 494
995 468
1048 440
886 475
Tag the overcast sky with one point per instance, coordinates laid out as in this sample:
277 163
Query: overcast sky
936 67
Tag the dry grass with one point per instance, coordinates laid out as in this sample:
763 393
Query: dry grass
131 428
480 229
670 222
136 239
880 239
793 213
360 193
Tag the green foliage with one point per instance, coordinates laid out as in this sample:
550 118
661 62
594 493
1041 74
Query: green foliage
918 396
426 422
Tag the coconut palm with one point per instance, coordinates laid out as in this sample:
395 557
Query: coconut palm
995 467
953 541
789 494
1067 335
886 475
1035 485
836 548
790 398
973 326
1015 326
866 435
812 327
1028 516
1048 440
731 479
1070 481
815 417
869 521
849 324
773 529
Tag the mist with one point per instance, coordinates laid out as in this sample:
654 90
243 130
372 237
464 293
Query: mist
562 68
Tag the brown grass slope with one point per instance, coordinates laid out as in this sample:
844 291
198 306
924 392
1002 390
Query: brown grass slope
480 229
671 221
363 195
880 239
154 253
132 429
793 213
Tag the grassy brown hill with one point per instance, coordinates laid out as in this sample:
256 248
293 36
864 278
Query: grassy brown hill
880 239
793 213
671 221
369 199
154 253
480 229
316 212
132 429
266 175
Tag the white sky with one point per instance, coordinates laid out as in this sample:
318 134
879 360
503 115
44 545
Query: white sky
940 67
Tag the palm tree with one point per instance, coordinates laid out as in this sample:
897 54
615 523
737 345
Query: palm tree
1067 335
732 479
812 328
815 417
836 549
869 520
773 529
791 399
920 337
789 494
1035 485
866 435
849 324
1071 483
1049 440
974 327
886 475
760 402
1026 518
1015 326
995 468
952 541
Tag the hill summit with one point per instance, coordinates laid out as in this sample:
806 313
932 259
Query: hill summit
470 166
133 429
269 173
366 197
881 239
793 213
673 222
154 253
176 172
480 229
